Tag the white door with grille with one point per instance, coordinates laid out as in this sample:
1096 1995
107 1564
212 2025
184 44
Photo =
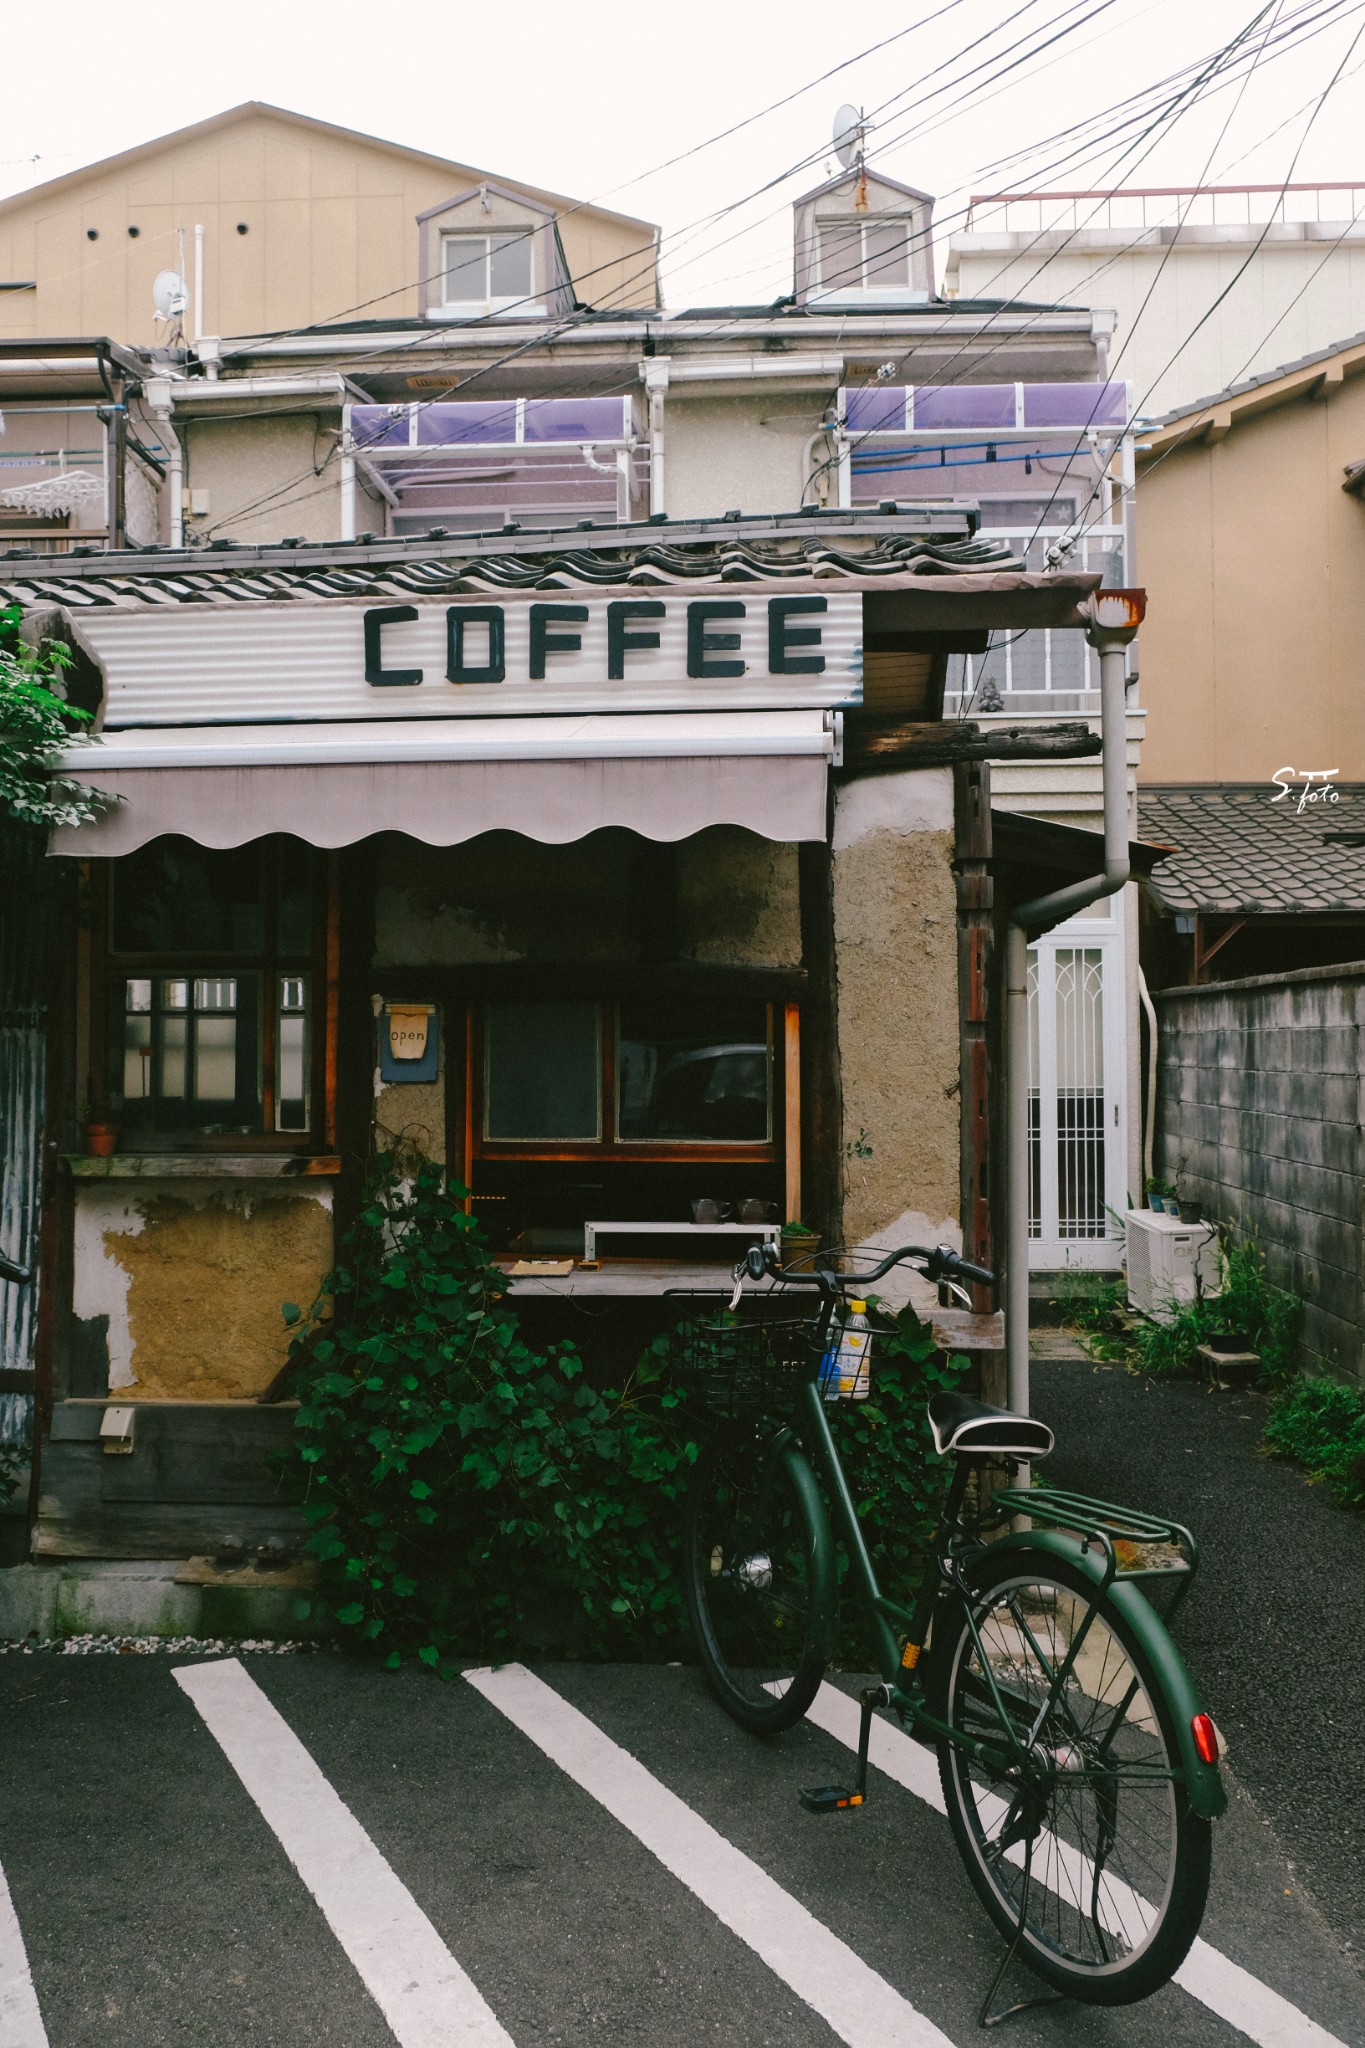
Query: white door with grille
1077 1125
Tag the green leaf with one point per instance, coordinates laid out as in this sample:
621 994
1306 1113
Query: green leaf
430 1655
350 1616
291 1312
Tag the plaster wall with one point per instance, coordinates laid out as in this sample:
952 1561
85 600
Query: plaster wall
503 897
331 227
192 1278
1254 562
737 454
261 474
895 920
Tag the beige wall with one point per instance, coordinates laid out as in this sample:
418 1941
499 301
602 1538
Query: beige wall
1253 652
895 922
274 474
738 454
331 224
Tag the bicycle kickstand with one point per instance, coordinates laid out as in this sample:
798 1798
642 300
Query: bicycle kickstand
987 2018
838 1798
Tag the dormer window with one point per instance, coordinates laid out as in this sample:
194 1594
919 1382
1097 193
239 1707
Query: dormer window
488 273
864 255
864 242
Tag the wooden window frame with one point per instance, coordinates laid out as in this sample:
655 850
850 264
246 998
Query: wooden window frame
322 966
610 1149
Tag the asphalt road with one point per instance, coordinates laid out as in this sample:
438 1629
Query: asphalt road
176 1850
1273 1627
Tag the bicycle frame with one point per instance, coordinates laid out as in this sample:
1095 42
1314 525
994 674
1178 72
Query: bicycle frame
893 1624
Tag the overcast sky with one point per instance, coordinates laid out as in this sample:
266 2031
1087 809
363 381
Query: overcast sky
590 99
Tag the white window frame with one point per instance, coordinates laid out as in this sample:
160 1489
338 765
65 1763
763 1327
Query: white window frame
843 287
524 302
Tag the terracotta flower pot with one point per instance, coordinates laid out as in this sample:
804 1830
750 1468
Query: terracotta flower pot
101 1140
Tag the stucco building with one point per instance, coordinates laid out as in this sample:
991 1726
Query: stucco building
546 733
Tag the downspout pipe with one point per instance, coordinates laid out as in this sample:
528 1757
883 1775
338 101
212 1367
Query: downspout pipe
158 400
654 375
1113 620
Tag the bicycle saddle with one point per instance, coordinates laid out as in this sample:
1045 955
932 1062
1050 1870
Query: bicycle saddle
966 1426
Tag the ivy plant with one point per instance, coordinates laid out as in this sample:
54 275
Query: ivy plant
470 1494
36 723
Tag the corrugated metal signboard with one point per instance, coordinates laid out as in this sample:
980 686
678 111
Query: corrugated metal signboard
726 648
24 894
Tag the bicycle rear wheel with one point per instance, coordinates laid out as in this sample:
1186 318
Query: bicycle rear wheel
1092 1845
758 1577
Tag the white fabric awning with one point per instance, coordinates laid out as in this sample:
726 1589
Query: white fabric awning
443 781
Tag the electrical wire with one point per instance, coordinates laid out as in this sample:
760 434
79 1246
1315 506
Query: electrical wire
1238 274
1172 110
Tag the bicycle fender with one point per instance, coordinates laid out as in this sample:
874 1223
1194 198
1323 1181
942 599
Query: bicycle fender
824 1569
1203 1782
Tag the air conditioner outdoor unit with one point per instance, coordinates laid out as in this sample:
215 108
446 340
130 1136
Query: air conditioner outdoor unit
1169 1263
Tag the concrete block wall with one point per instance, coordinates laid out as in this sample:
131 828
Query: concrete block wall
1260 1105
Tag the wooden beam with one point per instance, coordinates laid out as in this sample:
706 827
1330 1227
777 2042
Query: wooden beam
331 1013
972 851
791 1050
888 747
822 1151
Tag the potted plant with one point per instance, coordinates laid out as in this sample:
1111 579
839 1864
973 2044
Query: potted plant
799 1245
98 1138
1155 1201
1190 1208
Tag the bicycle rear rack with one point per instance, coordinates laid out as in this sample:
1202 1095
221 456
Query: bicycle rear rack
1135 1545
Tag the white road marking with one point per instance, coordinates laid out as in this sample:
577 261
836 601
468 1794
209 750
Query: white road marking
424 1995
861 2007
1206 1974
21 2023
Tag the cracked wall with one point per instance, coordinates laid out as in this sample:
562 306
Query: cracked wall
192 1282
895 919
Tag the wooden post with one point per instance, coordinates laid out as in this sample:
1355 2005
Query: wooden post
467 1121
331 1013
791 1055
975 908
823 1094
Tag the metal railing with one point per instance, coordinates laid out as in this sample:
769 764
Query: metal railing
1249 206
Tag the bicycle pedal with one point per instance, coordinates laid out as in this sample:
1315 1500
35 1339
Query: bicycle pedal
830 1799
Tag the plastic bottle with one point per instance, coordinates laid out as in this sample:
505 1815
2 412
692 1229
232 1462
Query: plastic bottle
846 1368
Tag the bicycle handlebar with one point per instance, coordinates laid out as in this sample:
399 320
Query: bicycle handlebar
940 1262
10 1269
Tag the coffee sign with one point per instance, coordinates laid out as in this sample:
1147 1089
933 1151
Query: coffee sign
690 649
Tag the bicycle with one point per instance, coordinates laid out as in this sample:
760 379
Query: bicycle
1078 1767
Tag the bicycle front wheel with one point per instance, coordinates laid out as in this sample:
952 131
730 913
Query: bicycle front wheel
1089 1848
758 1577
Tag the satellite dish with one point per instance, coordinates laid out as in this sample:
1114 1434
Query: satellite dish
848 134
170 294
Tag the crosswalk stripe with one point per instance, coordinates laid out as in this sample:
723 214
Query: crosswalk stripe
21 2023
425 1996
1206 1974
861 2007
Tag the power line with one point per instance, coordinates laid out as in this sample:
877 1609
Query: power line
1173 109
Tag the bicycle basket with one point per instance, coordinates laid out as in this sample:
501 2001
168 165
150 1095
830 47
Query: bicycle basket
736 1364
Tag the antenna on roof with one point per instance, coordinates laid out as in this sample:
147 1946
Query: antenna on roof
850 130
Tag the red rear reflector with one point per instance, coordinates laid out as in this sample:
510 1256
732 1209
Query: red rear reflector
1205 1738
